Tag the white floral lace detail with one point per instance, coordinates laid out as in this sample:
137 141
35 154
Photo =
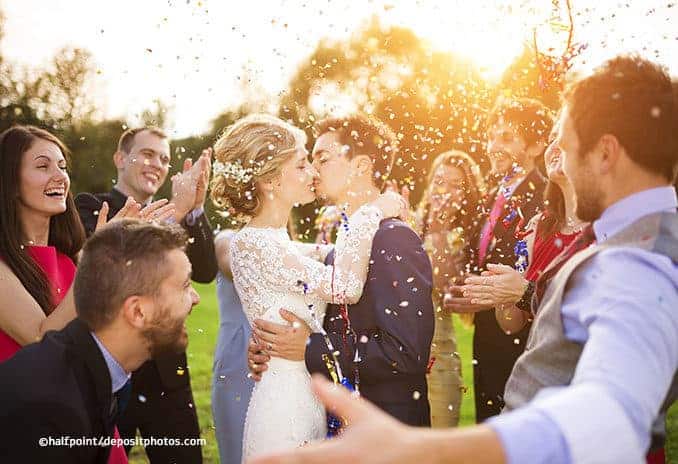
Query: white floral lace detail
268 266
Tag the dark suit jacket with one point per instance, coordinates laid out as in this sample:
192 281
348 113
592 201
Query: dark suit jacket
57 387
495 351
393 322
200 250
160 373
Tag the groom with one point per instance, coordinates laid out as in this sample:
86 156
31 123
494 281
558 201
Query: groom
392 324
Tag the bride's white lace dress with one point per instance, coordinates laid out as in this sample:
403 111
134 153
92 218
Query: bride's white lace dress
271 272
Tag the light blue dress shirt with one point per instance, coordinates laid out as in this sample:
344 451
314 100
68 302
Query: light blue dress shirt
118 375
622 304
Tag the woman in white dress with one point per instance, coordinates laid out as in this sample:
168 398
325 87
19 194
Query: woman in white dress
261 172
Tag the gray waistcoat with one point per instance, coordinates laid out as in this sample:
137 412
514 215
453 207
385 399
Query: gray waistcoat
550 358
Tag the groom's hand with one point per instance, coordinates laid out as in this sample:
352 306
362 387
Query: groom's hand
286 341
257 360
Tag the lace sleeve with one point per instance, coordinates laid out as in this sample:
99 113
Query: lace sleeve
314 251
281 265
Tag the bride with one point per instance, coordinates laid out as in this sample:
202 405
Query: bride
261 172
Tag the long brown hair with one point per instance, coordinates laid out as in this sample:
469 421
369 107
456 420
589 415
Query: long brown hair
66 232
468 219
553 218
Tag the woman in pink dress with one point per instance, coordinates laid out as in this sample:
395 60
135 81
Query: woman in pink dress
40 238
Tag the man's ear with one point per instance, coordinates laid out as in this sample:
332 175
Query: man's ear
119 159
608 152
363 165
136 311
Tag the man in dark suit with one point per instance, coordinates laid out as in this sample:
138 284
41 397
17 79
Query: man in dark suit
387 351
517 135
74 383
142 160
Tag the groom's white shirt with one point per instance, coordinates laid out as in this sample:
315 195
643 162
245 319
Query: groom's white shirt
623 305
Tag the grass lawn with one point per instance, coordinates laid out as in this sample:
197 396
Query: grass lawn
203 324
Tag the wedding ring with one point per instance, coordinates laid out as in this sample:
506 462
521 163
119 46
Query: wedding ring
269 346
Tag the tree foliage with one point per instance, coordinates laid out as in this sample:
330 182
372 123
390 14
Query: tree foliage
434 101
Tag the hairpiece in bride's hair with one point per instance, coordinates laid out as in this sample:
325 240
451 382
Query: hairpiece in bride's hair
234 170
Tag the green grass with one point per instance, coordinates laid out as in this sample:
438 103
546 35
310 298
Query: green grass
672 426
203 325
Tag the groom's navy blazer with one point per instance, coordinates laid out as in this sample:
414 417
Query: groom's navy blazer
393 323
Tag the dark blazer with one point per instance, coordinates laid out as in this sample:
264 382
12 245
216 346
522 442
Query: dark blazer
393 323
200 249
55 388
494 351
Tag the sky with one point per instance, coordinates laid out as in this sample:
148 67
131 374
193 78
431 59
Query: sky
197 55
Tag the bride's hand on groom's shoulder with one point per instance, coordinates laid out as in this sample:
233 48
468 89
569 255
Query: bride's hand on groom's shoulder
392 204
407 214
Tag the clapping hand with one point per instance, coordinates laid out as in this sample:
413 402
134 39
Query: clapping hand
205 166
498 286
160 210
189 187
455 302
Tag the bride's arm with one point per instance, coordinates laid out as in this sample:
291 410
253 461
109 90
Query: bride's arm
352 255
283 266
314 251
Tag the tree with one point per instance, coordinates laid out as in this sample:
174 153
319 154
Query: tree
64 89
158 116
434 101
525 78
54 98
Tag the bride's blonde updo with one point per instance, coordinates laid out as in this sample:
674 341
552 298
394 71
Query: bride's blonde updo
250 151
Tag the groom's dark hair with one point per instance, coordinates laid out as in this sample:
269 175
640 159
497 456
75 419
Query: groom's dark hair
125 258
364 135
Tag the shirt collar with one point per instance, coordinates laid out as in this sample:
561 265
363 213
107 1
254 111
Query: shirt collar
628 210
118 375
